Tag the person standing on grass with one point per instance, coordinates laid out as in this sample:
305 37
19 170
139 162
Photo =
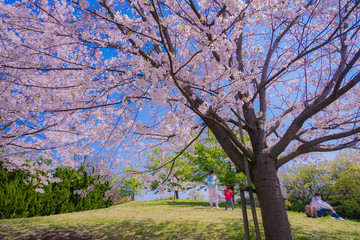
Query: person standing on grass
229 196
323 207
212 182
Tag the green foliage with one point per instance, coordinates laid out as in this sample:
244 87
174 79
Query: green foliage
196 195
345 207
348 184
295 206
208 155
130 186
346 199
300 184
18 199
181 174
195 164
338 181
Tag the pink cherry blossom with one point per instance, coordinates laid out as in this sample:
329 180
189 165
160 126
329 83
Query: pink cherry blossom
125 77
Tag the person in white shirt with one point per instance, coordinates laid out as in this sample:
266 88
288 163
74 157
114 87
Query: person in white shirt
323 207
212 182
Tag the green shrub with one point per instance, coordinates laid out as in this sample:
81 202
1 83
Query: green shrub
345 206
295 206
346 198
18 199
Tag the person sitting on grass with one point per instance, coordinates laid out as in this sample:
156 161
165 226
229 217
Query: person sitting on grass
323 207
229 196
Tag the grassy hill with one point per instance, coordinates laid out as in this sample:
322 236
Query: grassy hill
164 219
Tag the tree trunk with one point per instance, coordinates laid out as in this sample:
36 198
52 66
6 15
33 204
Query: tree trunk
274 215
176 194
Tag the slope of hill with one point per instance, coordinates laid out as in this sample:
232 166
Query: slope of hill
164 219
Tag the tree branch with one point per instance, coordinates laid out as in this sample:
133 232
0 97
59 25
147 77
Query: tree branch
316 107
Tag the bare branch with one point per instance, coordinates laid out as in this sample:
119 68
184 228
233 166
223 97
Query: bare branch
174 158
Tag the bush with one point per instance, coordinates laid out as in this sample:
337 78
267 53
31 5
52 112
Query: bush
295 206
18 199
346 199
346 207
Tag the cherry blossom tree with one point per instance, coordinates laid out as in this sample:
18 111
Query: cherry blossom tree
117 76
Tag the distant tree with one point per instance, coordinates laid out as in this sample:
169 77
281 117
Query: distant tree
129 186
342 162
348 184
191 168
346 197
207 155
196 195
171 177
300 183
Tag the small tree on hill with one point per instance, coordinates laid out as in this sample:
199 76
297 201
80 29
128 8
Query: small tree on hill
129 186
196 195
194 165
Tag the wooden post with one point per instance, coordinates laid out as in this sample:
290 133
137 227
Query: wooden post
244 212
252 201
248 180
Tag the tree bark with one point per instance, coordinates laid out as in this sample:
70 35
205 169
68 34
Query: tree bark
176 194
275 220
264 177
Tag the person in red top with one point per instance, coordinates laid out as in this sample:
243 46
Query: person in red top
229 196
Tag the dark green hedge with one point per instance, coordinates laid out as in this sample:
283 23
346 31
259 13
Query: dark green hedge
295 206
18 199
346 207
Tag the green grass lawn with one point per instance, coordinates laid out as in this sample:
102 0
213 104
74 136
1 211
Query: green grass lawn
164 219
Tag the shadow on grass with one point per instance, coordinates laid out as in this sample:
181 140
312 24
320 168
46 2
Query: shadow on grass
299 233
192 203
303 234
144 229
119 203
187 203
148 229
